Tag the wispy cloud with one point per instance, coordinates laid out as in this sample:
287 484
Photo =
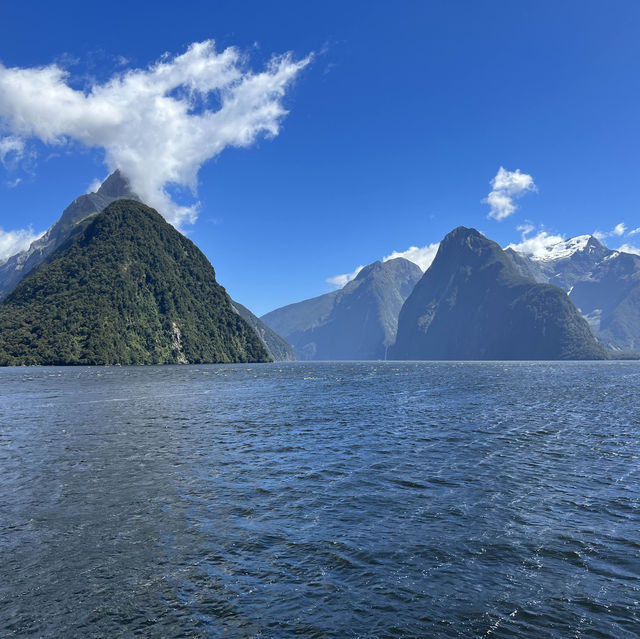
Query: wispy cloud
537 245
11 149
629 248
95 184
545 245
626 247
12 242
422 256
506 187
344 278
617 231
158 124
621 230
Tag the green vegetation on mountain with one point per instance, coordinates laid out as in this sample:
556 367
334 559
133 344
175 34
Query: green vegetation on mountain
124 288
473 304
18 266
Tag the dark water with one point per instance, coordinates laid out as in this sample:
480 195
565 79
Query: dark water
321 500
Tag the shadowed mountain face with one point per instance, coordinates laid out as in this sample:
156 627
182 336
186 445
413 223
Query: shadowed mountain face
604 284
124 288
17 267
278 348
357 322
473 304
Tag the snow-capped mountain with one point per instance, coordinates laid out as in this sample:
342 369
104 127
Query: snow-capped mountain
564 249
604 284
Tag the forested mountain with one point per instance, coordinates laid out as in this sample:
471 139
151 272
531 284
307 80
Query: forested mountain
17 267
124 288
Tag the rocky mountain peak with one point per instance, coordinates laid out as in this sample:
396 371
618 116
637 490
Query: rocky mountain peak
391 268
17 267
461 236
116 186
473 303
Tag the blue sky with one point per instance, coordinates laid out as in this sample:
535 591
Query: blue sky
394 129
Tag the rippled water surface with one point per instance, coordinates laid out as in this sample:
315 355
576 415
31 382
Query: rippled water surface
321 500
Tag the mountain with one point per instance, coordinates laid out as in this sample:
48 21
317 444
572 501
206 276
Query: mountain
604 284
473 304
562 263
124 288
278 348
357 322
20 265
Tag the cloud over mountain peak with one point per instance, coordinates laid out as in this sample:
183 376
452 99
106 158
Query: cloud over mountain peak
157 124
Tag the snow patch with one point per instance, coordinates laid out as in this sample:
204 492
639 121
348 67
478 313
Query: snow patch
561 250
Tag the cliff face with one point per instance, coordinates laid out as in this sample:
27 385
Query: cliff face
473 303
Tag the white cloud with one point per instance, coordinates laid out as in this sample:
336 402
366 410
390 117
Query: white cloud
525 229
94 185
629 248
543 245
12 242
11 147
618 230
536 246
156 124
422 256
342 280
507 186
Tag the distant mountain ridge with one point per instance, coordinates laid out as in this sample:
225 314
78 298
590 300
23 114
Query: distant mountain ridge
357 322
360 321
473 304
563 263
17 267
603 283
124 288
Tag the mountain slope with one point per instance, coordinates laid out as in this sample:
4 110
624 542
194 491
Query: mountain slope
125 288
20 265
604 284
472 303
278 348
357 322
